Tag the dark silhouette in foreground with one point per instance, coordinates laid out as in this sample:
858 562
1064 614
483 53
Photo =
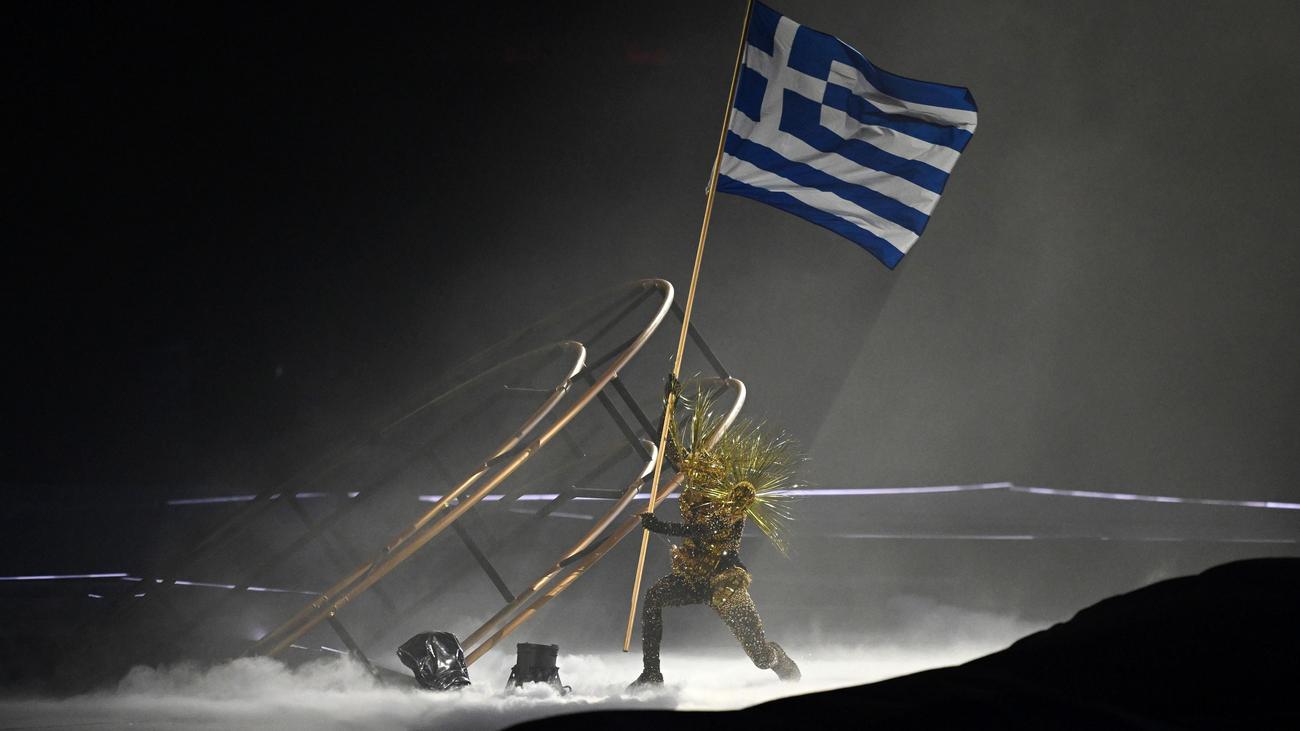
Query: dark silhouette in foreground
1220 649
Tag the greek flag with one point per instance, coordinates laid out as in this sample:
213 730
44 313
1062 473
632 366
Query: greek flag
818 131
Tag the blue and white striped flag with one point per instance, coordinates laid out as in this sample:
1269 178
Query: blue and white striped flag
818 131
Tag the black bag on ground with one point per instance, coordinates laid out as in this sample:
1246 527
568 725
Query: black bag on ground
436 659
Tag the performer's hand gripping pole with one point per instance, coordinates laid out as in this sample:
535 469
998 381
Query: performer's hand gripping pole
686 320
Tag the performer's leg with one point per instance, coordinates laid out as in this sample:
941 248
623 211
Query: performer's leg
741 616
670 591
738 611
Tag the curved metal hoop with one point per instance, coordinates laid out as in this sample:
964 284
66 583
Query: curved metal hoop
504 461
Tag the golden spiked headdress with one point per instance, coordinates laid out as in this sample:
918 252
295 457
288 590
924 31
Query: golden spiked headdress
746 472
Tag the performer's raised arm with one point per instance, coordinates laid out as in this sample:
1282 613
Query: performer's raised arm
655 525
707 529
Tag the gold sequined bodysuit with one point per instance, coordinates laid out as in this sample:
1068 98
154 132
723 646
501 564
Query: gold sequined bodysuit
711 537
728 475
706 569
709 553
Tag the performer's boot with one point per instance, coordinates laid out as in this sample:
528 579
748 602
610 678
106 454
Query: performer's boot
649 678
782 665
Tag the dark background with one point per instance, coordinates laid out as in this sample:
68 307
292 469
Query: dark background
234 233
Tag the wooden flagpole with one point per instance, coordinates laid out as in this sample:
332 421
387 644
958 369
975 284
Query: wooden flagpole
686 319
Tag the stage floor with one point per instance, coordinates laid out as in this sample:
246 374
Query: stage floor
337 694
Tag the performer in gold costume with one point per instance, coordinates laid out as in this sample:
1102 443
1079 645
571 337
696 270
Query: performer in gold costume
741 476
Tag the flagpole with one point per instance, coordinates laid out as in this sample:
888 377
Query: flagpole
686 320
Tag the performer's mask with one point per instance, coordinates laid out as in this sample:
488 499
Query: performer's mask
740 499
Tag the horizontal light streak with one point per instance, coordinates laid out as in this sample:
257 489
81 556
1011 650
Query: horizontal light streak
180 582
556 514
60 577
176 582
219 499
852 491
213 500
1030 537
486 498
273 590
1097 495
937 536
834 492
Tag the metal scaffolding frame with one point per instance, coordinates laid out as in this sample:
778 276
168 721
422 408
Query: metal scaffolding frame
504 460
